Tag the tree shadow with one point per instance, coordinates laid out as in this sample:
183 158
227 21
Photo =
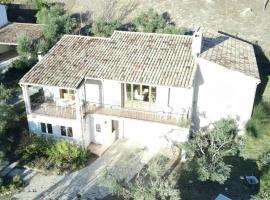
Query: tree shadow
234 187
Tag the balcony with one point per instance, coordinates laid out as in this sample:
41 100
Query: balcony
51 109
179 119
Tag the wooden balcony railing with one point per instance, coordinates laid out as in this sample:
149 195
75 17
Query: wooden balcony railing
180 119
51 109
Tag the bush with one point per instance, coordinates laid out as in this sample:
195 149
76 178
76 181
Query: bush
11 186
259 124
105 29
48 153
153 22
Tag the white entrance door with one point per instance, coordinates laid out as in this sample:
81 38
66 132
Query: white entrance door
99 134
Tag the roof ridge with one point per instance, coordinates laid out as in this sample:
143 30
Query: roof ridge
147 33
87 37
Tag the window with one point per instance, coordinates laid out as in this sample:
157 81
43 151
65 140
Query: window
46 128
43 127
98 128
49 129
69 132
67 94
143 93
63 131
66 131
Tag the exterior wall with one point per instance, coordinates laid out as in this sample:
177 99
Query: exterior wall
168 99
35 120
223 93
4 48
147 133
3 16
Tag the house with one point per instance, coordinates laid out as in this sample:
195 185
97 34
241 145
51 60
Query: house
9 33
139 85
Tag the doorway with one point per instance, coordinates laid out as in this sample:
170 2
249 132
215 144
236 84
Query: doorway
115 129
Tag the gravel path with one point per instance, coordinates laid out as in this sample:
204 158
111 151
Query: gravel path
86 181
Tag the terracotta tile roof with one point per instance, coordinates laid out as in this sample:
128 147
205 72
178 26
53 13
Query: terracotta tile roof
155 59
10 32
231 53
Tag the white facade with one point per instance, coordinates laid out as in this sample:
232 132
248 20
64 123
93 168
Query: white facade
106 110
106 128
3 16
223 93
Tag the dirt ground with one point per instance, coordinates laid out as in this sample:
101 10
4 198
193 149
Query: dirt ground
247 19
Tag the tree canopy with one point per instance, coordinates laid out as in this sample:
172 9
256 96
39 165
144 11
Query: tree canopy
207 150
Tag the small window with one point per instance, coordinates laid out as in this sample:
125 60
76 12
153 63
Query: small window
67 94
63 131
49 129
98 128
43 127
69 132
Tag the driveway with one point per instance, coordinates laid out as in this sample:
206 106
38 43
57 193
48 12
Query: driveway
124 158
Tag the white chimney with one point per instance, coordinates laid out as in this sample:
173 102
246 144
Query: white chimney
3 16
40 56
197 43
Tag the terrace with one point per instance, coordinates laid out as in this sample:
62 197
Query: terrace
180 119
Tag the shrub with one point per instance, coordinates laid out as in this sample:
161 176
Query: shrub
105 29
153 22
11 186
48 153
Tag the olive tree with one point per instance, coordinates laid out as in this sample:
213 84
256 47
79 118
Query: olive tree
153 22
207 150
149 184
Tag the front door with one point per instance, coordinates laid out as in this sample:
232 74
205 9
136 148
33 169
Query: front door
115 130
99 135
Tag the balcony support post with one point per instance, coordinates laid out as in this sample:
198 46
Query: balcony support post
79 115
26 98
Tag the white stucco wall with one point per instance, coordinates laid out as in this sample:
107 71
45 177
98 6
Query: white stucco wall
3 16
143 132
111 92
35 120
224 93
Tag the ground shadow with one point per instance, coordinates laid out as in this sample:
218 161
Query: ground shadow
234 188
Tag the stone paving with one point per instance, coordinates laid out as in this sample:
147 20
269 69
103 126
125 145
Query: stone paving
86 181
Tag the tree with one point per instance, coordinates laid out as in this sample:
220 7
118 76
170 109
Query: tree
207 150
26 47
153 22
56 23
5 109
105 29
5 1
149 184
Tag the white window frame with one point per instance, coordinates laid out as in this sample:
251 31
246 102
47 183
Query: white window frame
46 128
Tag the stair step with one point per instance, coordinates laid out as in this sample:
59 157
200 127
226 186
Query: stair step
8 169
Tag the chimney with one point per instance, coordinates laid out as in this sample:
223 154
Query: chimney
197 43
3 16
40 56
